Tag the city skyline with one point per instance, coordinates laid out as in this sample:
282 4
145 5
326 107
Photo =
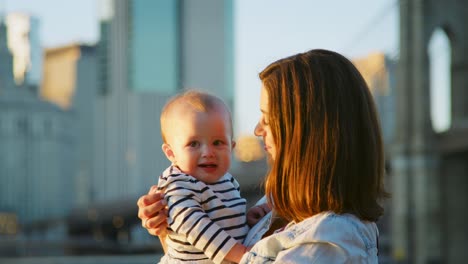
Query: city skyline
264 31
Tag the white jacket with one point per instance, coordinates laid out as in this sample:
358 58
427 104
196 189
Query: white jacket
323 238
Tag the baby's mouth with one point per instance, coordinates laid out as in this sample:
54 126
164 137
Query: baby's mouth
207 165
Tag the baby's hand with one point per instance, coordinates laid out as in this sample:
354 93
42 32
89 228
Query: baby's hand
256 213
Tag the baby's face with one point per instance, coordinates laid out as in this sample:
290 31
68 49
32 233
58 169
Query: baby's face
200 143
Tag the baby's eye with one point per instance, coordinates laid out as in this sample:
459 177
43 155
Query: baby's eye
218 142
194 144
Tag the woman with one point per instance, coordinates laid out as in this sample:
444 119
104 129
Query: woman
321 130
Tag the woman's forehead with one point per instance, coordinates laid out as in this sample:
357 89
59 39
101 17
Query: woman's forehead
264 100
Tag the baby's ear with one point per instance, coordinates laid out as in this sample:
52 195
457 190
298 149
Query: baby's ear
233 144
166 148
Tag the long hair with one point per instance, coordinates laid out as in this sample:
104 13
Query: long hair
329 150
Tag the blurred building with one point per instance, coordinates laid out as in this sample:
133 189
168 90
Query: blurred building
24 44
47 122
36 153
379 71
430 168
70 81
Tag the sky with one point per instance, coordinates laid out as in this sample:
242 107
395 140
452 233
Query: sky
268 30
265 30
61 22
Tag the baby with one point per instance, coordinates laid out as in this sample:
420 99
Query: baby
206 214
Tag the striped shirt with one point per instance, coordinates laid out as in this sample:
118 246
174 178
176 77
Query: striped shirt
205 219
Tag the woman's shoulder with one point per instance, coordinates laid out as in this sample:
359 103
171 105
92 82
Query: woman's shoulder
325 237
344 230
330 220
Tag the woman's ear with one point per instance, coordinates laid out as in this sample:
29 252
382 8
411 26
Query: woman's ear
166 148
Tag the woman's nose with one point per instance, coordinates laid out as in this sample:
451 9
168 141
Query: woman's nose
258 130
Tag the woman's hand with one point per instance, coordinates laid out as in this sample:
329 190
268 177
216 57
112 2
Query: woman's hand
256 213
153 212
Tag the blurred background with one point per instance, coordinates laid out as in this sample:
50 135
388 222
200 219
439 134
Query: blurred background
82 84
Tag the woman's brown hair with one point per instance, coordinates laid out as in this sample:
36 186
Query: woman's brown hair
329 150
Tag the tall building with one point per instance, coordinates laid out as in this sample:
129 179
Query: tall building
431 168
36 152
379 71
70 81
47 132
24 44
149 50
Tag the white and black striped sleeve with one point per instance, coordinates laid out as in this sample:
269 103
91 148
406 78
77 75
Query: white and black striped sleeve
187 217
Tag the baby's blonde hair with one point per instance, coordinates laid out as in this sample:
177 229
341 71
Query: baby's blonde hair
196 100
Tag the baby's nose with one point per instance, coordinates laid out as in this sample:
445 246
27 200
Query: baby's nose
207 151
